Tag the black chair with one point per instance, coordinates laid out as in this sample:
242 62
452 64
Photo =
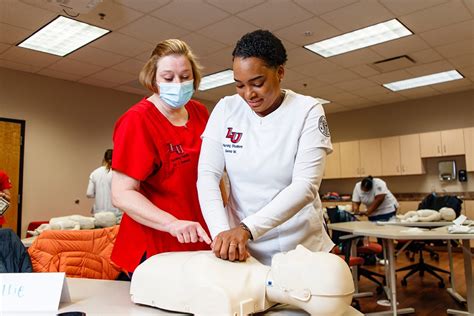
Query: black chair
13 255
432 202
344 241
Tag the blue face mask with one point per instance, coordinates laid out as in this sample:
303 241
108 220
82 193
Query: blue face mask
176 95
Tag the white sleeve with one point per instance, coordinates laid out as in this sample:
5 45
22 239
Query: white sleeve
210 169
90 188
380 187
306 179
355 194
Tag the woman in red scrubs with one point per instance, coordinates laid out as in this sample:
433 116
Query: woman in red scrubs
156 150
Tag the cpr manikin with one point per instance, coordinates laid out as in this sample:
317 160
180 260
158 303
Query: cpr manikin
199 283
426 215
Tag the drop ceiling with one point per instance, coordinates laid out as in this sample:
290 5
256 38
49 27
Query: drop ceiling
443 39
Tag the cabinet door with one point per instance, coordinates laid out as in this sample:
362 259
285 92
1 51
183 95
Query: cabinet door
452 142
469 147
390 156
333 163
410 154
370 157
430 144
350 159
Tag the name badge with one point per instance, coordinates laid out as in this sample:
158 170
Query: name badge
28 292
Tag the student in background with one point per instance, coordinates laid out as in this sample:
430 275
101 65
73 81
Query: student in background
100 182
273 144
5 186
156 149
373 193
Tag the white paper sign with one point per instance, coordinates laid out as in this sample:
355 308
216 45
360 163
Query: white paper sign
24 292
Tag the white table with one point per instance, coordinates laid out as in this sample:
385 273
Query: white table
103 297
389 233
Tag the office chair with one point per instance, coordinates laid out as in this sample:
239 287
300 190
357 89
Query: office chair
344 243
433 202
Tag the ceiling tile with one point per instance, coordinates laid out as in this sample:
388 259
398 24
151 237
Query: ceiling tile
202 45
330 108
235 6
388 97
122 44
283 13
18 66
192 17
469 5
95 56
144 6
370 91
227 31
355 16
391 76
140 92
59 75
222 58
211 69
144 56
301 56
365 70
75 67
353 85
3 47
29 57
319 7
452 86
462 61
307 32
425 56
401 46
131 66
112 75
451 33
12 34
456 49
17 13
317 68
99 83
337 76
291 75
435 17
357 57
426 69
302 85
145 29
402 7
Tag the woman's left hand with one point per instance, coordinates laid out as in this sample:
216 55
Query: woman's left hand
231 244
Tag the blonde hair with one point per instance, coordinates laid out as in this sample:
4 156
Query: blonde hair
168 47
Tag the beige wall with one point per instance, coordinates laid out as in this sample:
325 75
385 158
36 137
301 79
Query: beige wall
68 128
448 111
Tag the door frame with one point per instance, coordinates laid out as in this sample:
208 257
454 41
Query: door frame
20 176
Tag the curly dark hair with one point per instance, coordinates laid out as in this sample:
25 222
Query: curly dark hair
261 44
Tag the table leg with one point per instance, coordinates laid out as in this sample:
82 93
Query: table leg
466 249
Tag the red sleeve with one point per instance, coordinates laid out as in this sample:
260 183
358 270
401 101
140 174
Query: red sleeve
135 152
4 181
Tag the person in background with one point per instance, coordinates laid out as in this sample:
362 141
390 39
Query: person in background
100 182
156 150
373 193
273 145
5 186
380 203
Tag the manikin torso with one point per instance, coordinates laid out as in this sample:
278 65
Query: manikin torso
201 284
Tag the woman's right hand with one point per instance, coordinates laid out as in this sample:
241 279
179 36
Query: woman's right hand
188 231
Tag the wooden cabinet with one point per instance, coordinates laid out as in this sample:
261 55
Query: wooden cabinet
405 206
401 155
361 158
468 210
469 148
332 169
442 143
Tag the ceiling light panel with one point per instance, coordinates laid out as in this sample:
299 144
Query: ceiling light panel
217 79
63 36
371 35
424 80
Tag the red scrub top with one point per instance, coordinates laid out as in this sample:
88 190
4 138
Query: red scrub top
164 158
4 184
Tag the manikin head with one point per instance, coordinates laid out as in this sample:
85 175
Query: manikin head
318 282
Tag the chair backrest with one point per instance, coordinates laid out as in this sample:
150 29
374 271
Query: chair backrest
337 215
435 202
13 255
